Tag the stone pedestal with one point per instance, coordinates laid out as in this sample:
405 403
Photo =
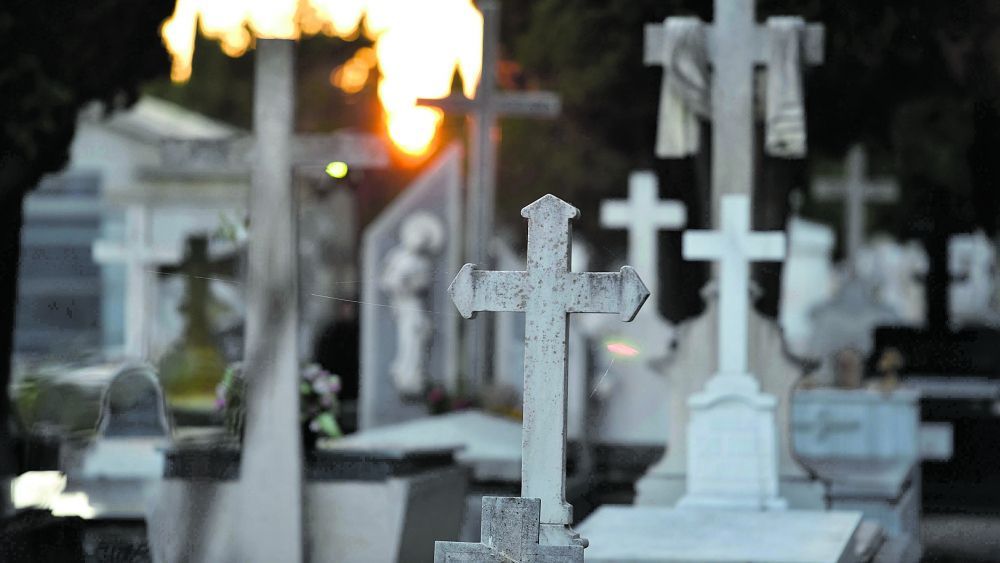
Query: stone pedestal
732 448
688 373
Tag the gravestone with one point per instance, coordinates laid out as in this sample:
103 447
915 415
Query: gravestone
846 324
807 280
897 271
972 264
856 190
547 292
126 455
631 406
484 111
732 424
133 406
698 356
390 316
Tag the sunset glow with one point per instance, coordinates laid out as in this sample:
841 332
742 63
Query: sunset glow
417 47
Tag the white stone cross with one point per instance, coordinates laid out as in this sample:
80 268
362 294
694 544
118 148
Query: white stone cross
643 214
735 246
547 292
736 44
855 189
483 110
138 253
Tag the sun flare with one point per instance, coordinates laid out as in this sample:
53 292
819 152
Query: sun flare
417 48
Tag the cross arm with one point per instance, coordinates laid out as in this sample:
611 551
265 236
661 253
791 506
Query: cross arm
619 292
455 103
615 213
826 189
814 37
475 290
356 149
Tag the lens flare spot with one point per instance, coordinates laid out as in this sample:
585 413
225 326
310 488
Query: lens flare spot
337 169
622 350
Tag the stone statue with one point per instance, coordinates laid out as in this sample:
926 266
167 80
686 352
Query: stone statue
406 277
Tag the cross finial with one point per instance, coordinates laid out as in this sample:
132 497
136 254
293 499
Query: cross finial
547 291
735 246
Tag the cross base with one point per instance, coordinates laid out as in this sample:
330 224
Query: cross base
509 532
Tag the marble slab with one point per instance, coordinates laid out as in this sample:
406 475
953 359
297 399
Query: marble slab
489 444
626 534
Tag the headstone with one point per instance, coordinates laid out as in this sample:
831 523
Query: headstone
546 292
806 280
732 423
484 111
846 324
761 350
406 287
856 191
120 467
632 402
972 263
896 271
133 406
139 256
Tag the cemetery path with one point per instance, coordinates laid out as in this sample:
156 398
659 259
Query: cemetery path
961 538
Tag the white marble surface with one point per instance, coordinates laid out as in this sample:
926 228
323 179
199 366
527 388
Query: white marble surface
489 444
732 441
638 534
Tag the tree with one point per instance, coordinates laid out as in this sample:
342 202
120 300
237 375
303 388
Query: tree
58 56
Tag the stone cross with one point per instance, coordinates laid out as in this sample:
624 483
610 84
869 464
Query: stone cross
272 448
484 111
736 45
139 255
734 247
547 292
855 189
643 214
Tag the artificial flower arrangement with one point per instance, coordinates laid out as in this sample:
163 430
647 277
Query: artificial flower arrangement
318 404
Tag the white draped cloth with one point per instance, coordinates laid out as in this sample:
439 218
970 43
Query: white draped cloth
685 94
785 131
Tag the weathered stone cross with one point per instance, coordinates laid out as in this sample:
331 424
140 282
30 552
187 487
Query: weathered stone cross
643 214
736 44
270 527
547 292
484 110
734 247
855 189
139 255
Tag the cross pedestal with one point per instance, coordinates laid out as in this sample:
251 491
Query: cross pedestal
855 189
484 111
509 532
547 292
